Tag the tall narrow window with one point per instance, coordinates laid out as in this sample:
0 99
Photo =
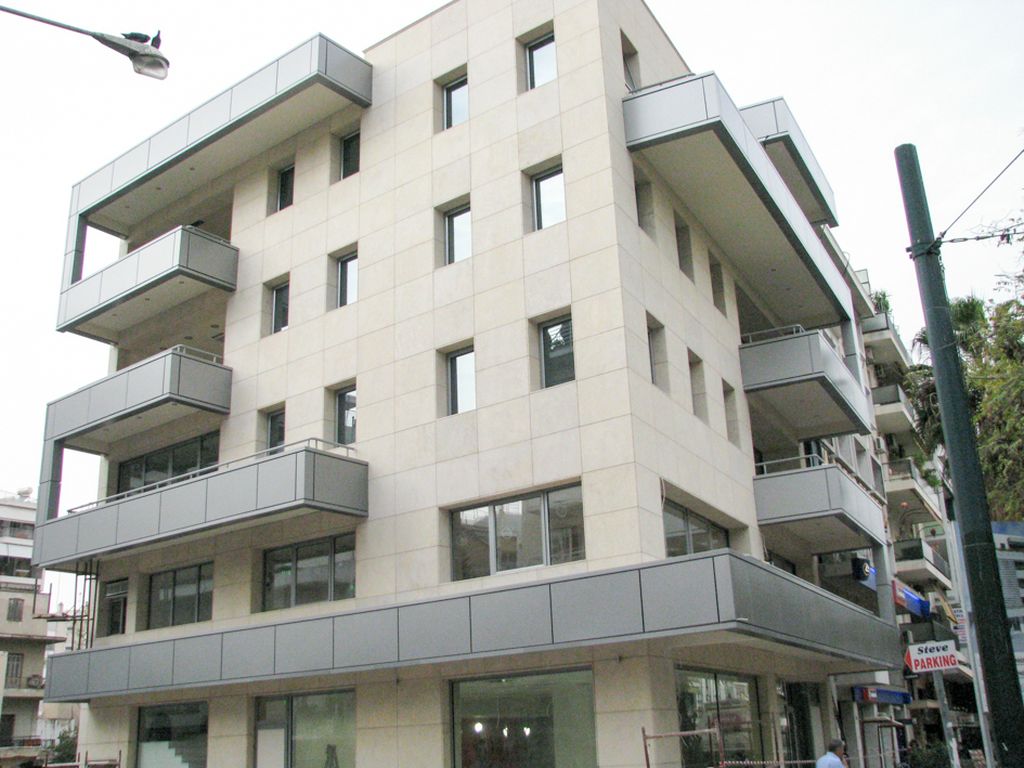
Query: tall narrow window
456 103
540 61
115 603
279 308
312 729
658 353
345 407
15 666
348 279
548 198
717 283
556 352
732 414
698 388
684 249
275 430
461 381
644 194
458 235
350 155
285 187
630 65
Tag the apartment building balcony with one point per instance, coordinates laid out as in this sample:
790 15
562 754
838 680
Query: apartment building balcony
882 338
910 495
24 687
160 275
894 413
692 132
801 380
301 477
718 596
808 505
775 127
918 563
154 391
928 631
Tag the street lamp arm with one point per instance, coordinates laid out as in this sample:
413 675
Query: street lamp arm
51 22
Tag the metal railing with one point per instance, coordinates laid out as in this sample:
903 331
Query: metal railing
772 333
917 549
316 443
826 456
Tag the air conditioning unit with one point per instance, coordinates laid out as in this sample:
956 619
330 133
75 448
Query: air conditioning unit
34 681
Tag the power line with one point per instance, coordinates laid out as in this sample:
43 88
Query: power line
942 234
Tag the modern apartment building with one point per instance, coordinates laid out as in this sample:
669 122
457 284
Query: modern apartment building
480 400
1009 541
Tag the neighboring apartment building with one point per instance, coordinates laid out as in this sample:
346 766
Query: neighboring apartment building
481 400
1009 541
23 636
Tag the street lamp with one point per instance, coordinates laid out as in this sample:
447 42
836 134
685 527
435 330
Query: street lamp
146 58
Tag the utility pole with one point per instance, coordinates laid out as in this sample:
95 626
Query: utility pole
997 662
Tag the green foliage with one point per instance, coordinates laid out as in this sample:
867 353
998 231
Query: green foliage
881 300
934 755
66 750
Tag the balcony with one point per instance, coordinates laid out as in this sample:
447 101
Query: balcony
799 379
918 563
910 495
930 631
300 477
894 413
780 135
162 274
882 338
159 389
807 506
712 598
28 687
693 133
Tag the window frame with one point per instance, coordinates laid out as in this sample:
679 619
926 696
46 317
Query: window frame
452 377
270 416
285 195
686 514
492 536
450 218
538 199
118 601
339 411
346 143
15 669
544 365
449 90
15 609
331 586
191 707
345 262
531 71
199 568
202 441
276 293
289 723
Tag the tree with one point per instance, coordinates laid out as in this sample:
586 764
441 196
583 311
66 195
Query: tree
990 339
66 749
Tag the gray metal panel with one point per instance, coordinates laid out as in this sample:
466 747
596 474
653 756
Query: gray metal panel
341 482
276 481
97 528
60 539
118 277
210 256
248 653
679 594
203 382
197 659
81 297
366 638
151 665
138 517
183 505
68 413
106 397
67 675
148 380
256 88
93 187
304 646
209 117
350 72
596 607
167 142
516 618
297 64
728 609
231 493
157 258
429 630
129 165
108 670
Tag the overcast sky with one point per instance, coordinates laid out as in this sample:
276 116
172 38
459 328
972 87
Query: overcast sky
860 77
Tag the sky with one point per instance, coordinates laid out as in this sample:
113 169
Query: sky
860 78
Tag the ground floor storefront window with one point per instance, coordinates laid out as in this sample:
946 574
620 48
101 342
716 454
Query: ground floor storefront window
309 731
173 734
525 721
718 700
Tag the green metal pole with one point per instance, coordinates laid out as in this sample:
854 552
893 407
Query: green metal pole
998 666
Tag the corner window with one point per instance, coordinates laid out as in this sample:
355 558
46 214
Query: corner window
275 430
350 155
171 730
310 572
345 409
115 604
456 103
540 61
548 198
285 187
312 729
279 308
687 533
182 596
461 367
348 279
556 352
539 529
458 235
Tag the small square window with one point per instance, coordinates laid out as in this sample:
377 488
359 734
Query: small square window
540 61
348 279
548 199
275 431
461 381
345 408
556 352
279 308
458 235
350 155
285 187
456 103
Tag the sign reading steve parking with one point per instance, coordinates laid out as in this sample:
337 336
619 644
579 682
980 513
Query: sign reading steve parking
931 657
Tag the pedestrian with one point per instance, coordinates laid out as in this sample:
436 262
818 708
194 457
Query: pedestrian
835 757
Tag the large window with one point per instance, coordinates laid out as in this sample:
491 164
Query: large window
15 608
171 730
456 103
345 408
316 729
458 235
175 460
706 699
686 532
461 367
525 721
556 352
182 596
548 198
15 666
540 61
539 529
310 572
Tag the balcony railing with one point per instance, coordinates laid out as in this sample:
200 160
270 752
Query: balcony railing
881 334
916 549
929 631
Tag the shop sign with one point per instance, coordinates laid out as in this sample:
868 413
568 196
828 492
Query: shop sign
932 657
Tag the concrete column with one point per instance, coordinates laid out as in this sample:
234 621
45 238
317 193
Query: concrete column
883 579
849 712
